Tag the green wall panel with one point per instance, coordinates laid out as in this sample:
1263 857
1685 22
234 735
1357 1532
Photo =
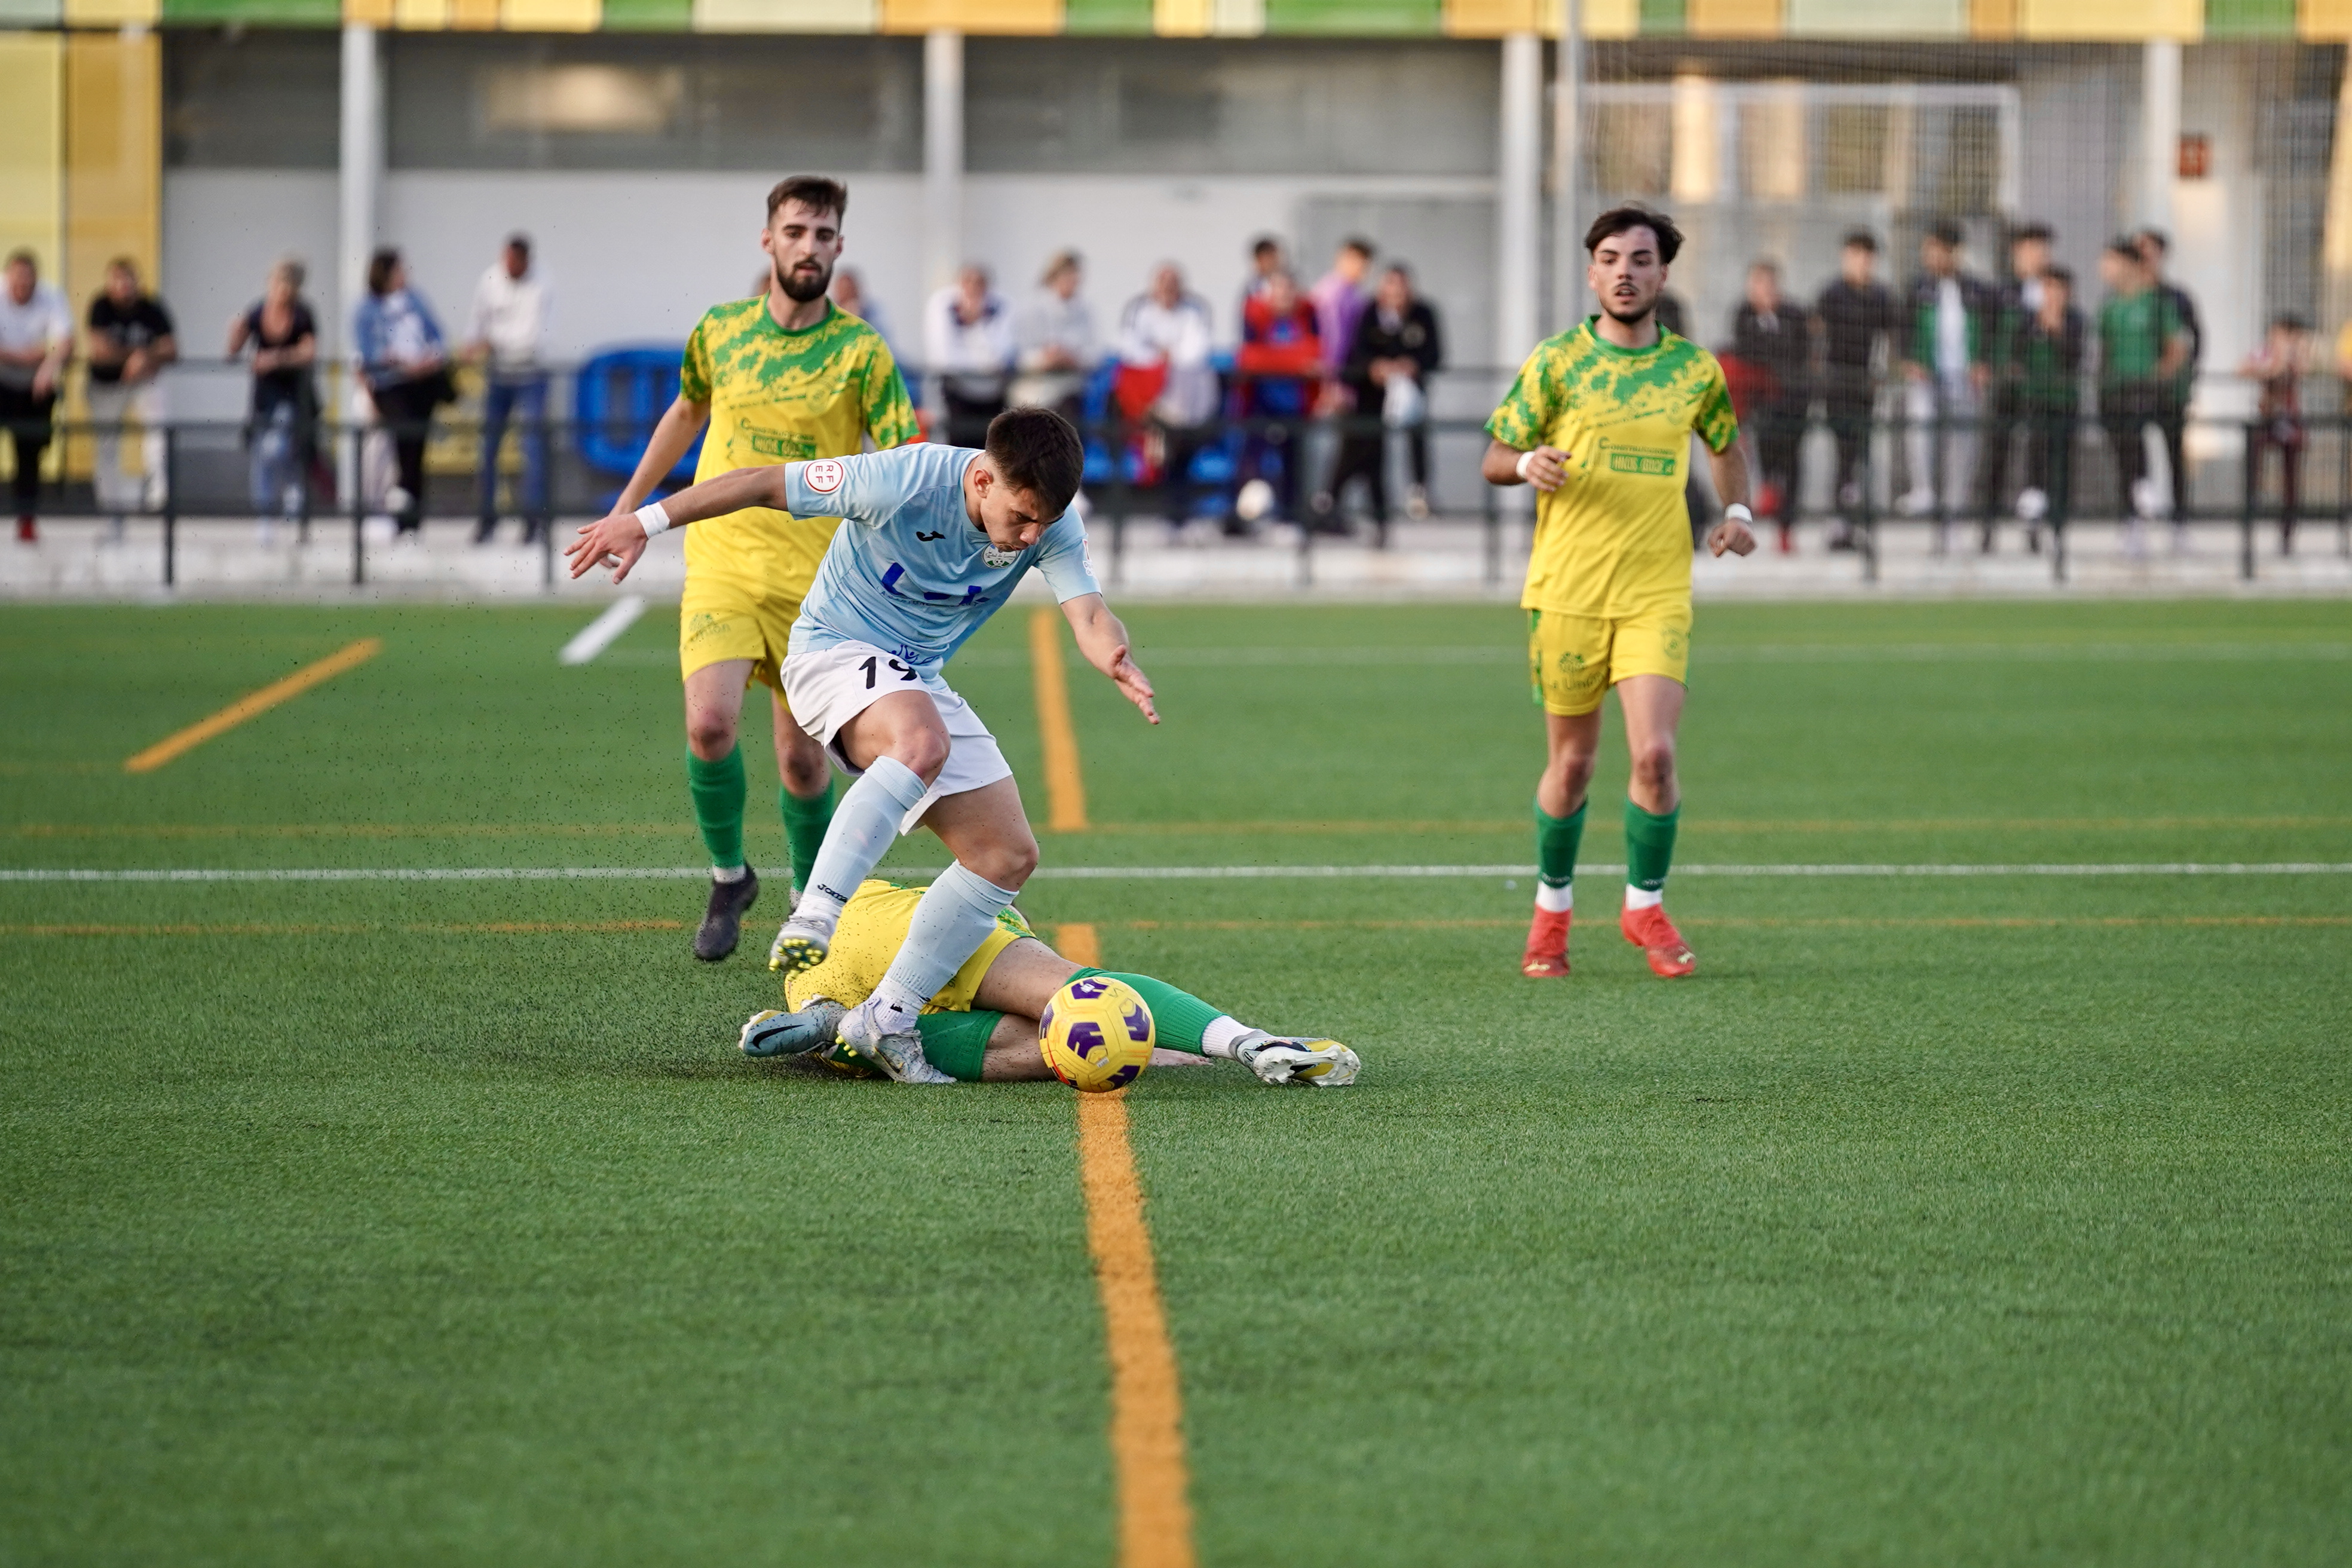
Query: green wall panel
2250 19
1879 18
1129 18
263 13
1661 17
649 16
1357 19
31 13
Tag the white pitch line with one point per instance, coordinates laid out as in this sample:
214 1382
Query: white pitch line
600 634
1153 873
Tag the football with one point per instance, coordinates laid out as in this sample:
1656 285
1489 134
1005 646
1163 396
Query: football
1097 1035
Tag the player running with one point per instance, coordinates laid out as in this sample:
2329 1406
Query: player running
982 1025
942 535
779 376
1600 421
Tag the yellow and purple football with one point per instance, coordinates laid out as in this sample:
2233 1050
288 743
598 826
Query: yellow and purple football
1097 1035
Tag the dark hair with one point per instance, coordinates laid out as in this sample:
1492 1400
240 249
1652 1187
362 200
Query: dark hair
1860 239
2287 321
2158 238
2025 231
380 270
1400 269
1262 244
519 241
2127 247
1034 449
23 257
2062 276
1359 244
1623 220
1943 231
814 192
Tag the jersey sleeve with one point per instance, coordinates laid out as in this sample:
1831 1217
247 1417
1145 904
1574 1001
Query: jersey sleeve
863 489
890 415
1713 417
694 370
1527 410
1063 562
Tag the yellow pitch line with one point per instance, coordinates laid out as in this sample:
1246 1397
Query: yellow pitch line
252 703
1147 1404
1065 786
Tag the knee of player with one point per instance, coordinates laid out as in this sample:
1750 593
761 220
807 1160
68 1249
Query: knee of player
1654 762
924 751
805 770
711 735
1007 864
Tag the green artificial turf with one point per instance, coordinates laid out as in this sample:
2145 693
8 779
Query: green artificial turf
1937 1220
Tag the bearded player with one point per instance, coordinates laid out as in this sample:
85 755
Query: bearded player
982 1025
780 377
1600 421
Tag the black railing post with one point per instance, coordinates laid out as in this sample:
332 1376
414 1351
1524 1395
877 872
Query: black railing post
171 507
2246 509
359 505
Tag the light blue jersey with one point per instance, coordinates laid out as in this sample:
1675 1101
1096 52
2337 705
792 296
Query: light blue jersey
909 572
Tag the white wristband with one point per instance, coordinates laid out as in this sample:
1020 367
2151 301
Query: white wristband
1738 512
652 519
1520 468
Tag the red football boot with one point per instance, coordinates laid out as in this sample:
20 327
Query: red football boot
1547 954
1670 956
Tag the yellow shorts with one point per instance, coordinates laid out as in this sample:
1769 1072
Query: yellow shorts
720 619
872 930
1574 660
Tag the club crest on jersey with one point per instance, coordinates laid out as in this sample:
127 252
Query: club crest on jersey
995 559
824 476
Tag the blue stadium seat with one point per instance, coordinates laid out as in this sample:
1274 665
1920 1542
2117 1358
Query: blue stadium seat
617 397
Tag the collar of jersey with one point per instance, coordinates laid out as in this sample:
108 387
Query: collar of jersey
832 313
1592 330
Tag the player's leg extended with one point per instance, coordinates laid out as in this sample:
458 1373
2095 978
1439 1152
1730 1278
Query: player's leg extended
714 778
1653 705
1567 662
805 796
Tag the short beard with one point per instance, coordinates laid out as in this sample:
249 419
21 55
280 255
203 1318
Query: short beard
800 291
1648 309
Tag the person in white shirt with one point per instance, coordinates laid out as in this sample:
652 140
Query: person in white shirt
1166 330
35 337
967 338
1055 333
509 336
1948 367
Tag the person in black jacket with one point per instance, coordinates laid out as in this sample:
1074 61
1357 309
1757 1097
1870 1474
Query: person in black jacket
2172 396
1388 367
2029 266
2038 371
1859 323
1773 335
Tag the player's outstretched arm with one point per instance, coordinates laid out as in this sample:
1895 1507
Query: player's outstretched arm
1546 468
1730 466
618 540
1103 640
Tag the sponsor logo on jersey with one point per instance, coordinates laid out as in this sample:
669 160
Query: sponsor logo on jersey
824 476
784 446
1641 460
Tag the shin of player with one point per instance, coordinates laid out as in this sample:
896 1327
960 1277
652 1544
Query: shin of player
1600 421
937 538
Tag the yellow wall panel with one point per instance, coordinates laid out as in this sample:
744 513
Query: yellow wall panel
552 16
786 15
112 13
2327 21
474 15
1000 16
368 13
420 16
1732 18
32 146
1993 18
2123 21
113 172
1498 19
1182 18
1612 18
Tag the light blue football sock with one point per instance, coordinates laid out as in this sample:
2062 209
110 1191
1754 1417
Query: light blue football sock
955 916
863 827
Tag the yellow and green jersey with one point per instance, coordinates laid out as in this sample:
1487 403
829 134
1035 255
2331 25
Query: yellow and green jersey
1614 539
779 396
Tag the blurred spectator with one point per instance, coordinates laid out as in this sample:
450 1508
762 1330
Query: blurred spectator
131 339
405 365
1860 324
2020 297
849 294
1397 347
36 336
1166 379
1266 260
1773 337
2142 345
282 428
1339 298
2279 367
1672 317
1055 337
1281 366
2173 392
2038 369
1951 316
968 338
511 309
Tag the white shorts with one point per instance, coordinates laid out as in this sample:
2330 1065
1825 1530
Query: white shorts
827 687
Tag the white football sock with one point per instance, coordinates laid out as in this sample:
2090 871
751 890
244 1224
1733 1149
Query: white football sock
729 873
954 918
1642 899
863 827
1223 1035
1555 900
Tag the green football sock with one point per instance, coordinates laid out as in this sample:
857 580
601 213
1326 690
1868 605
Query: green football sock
1649 846
1179 1018
804 824
718 791
1557 838
957 1043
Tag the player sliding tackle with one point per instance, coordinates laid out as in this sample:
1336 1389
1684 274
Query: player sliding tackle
982 1025
937 538
1600 421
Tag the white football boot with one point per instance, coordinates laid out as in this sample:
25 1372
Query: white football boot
800 945
898 1052
775 1034
1280 1059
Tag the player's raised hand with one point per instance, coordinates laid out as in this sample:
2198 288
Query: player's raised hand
1732 534
1133 681
616 541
